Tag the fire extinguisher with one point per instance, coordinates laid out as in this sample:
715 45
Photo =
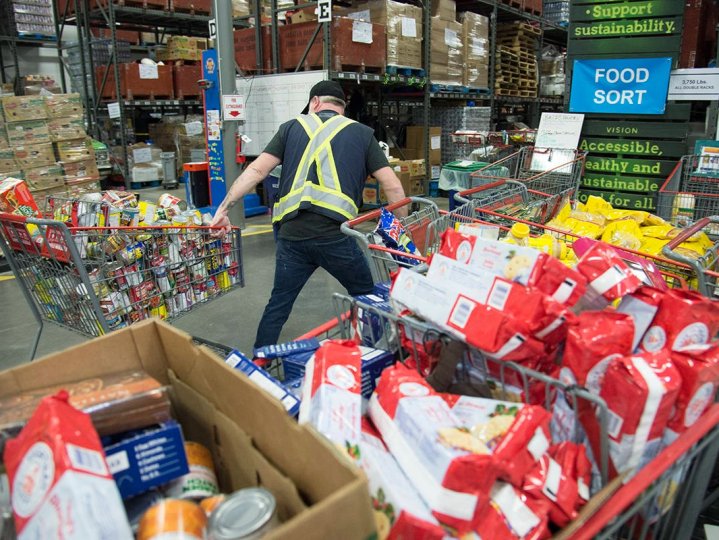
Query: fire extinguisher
239 156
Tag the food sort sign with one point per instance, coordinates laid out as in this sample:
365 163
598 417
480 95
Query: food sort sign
620 86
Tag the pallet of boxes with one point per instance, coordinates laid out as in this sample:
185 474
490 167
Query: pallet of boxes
47 146
183 135
184 55
516 59
447 52
411 173
475 41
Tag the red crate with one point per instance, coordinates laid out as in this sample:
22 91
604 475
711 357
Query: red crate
519 4
699 35
185 77
347 55
246 50
133 87
191 6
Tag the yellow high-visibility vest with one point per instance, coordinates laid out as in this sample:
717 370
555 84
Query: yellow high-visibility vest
327 193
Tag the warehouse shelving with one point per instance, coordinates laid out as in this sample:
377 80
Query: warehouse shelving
84 17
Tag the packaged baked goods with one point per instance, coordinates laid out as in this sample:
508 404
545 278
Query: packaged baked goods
642 305
118 402
640 392
699 369
332 394
452 473
513 515
399 510
684 318
608 275
61 486
563 284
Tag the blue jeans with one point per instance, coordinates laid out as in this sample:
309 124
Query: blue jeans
296 260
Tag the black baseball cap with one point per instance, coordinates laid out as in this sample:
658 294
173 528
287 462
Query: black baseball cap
326 88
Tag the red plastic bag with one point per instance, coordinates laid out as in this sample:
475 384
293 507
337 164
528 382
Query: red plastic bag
61 486
607 273
558 281
684 318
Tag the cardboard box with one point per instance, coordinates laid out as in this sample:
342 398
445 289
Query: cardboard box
41 195
414 168
64 106
27 132
147 459
179 53
415 139
445 10
66 128
186 42
15 198
373 194
44 177
7 160
81 171
447 52
75 150
403 24
21 108
319 493
34 155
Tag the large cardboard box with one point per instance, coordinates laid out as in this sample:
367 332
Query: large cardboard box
415 139
34 155
445 10
320 493
447 52
475 39
403 24
44 177
21 108
27 132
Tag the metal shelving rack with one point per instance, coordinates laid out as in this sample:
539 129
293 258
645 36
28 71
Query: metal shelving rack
86 17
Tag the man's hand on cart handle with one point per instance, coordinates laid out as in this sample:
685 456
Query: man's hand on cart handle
255 173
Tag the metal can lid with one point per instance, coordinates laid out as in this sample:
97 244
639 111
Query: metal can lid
243 513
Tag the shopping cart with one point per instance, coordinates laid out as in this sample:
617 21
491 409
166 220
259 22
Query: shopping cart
383 261
513 198
490 146
96 279
662 501
705 268
554 172
690 192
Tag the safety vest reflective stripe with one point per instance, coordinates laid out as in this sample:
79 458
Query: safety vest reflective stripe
328 193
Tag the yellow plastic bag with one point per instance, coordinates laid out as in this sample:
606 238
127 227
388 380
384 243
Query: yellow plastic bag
624 234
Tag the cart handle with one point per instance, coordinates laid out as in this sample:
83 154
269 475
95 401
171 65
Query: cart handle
326 327
376 213
687 233
630 491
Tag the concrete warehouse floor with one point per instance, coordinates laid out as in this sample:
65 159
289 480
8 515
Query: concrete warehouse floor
229 320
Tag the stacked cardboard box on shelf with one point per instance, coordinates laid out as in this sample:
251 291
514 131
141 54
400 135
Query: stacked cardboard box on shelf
553 78
182 48
516 59
46 145
181 135
27 17
447 53
475 38
411 173
403 24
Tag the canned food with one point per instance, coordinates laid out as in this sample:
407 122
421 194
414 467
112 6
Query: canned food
113 217
173 518
247 514
170 201
180 221
116 272
133 275
199 291
129 217
114 243
201 481
210 503
223 281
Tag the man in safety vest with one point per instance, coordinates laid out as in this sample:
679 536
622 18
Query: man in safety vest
325 158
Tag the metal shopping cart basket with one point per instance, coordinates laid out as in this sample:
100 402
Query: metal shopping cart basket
690 192
96 279
555 172
382 260
490 146
662 501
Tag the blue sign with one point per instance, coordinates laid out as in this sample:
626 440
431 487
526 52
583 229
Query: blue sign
620 86
213 129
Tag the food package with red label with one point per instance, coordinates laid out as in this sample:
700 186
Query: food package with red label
451 470
513 515
332 394
516 434
640 392
399 510
563 284
496 319
607 274
15 198
510 261
684 318
699 369
642 305
550 483
573 459
61 486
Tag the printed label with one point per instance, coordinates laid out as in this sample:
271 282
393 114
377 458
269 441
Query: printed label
694 334
614 424
551 484
564 291
539 444
118 462
698 404
409 27
341 377
33 479
413 389
84 459
654 339
461 312
499 295
518 515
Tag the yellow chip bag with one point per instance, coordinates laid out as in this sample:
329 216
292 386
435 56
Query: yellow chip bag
653 246
597 205
634 215
659 231
624 234
654 220
597 219
583 228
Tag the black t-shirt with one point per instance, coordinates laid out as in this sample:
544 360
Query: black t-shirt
308 224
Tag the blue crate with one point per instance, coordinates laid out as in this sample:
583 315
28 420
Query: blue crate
374 362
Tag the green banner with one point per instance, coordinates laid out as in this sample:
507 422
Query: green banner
627 10
631 201
629 47
620 128
639 147
645 27
622 183
648 167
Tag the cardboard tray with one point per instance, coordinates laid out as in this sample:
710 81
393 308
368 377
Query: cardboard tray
320 494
